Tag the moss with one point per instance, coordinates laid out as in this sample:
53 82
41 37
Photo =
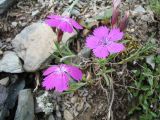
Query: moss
155 6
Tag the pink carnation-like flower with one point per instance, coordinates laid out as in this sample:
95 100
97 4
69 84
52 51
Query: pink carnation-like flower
104 41
64 23
58 76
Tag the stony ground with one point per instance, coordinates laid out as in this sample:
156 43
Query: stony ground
17 54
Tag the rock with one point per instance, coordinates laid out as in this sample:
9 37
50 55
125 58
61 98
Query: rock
85 52
3 94
3 112
75 112
1 52
1 44
4 81
34 45
68 115
10 63
5 4
14 24
37 108
58 113
25 109
13 92
51 117
75 12
139 10
34 13
73 99
45 103
80 106
150 61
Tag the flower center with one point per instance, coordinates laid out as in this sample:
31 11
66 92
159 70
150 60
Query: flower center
61 69
106 41
65 19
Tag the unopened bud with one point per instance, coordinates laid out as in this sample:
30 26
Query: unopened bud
115 16
124 21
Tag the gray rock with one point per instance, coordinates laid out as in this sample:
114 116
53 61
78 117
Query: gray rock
58 113
150 61
3 94
80 106
73 99
4 81
10 63
75 12
13 92
139 10
45 103
25 109
1 52
14 24
1 44
68 115
3 112
75 112
34 45
85 52
34 13
5 4
37 108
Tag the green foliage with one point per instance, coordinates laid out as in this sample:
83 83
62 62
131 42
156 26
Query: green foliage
155 6
145 93
74 86
140 53
61 52
106 14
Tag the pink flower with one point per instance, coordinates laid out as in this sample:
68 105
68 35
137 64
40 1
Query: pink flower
58 76
104 41
64 23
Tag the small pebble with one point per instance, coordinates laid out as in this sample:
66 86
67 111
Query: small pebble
73 99
14 24
80 106
68 115
1 52
4 81
34 13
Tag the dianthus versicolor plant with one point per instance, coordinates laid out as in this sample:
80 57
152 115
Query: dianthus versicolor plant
63 24
58 76
104 42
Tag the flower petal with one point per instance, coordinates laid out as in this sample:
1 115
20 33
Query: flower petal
115 47
74 72
101 51
75 24
92 42
115 35
101 32
52 22
65 27
57 81
50 70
